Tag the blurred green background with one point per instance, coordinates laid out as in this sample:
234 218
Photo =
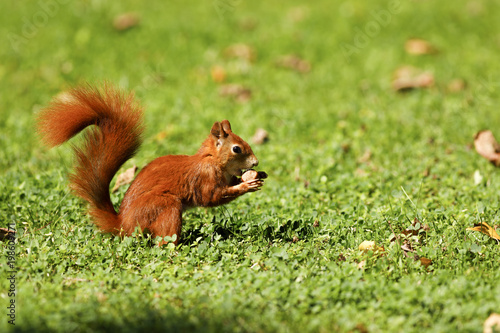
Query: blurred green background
345 149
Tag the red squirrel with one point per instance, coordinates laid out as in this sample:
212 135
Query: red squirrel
165 187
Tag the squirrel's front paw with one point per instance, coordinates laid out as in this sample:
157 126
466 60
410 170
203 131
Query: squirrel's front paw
251 185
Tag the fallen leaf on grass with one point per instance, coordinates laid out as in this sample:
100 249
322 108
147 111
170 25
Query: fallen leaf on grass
346 147
485 229
478 178
425 262
426 172
126 21
360 172
165 133
487 147
419 46
406 248
160 136
261 136
370 246
362 264
456 85
367 155
101 297
361 328
408 78
70 281
241 51
414 230
298 14
218 74
294 62
248 24
236 91
124 178
412 238
490 323
475 7
7 234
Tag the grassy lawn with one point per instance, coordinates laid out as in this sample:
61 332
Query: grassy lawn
349 160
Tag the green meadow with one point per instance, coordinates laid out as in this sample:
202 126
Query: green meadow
351 157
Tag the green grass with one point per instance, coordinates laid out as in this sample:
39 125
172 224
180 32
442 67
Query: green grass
260 264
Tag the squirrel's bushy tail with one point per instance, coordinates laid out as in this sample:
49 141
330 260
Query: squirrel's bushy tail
106 146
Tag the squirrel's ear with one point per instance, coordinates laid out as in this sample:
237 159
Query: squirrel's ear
216 129
221 130
226 126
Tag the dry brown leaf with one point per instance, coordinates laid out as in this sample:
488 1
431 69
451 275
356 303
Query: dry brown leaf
298 14
456 85
218 74
491 322
419 46
425 262
241 51
487 146
346 147
124 178
126 21
248 24
407 78
362 264
70 281
478 178
407 248
160 136
261 136
236 91
360 172
426 172
475 7
366 246
413 232
7 234
367 155
101 297
294 62
409 243
485 229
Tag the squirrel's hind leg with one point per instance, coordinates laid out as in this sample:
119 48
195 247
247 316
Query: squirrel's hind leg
169 220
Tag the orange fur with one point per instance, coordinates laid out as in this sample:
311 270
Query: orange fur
165 187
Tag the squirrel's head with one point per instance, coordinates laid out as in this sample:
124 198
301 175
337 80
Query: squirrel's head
234 154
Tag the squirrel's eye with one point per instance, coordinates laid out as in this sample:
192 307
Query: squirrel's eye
236 149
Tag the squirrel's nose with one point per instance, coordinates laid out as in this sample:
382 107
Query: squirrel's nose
255 162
